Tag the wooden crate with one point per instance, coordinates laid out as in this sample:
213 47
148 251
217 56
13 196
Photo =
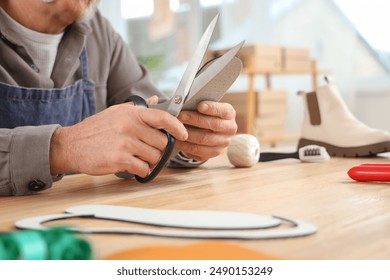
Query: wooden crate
256 58
270 110
239 101
270 117
295 60
270 102
271 113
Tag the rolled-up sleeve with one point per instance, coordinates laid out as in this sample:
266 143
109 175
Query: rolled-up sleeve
24 159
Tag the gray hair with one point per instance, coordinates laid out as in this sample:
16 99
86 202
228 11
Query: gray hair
89 11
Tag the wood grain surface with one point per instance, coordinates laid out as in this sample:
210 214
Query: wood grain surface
353 218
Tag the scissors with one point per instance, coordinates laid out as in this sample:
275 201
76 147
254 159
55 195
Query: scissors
198 83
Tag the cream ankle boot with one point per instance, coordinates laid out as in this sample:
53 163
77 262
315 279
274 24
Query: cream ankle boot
329 123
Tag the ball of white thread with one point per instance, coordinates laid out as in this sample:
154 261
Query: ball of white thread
243 150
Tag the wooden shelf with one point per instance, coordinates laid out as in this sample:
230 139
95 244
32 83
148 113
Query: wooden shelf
267 61
312 71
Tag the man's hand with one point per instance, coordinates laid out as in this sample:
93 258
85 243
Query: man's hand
209 130
120 138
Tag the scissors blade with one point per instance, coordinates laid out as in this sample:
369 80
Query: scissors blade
210 72
175 104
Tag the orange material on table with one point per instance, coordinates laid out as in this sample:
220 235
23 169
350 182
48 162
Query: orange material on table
212 250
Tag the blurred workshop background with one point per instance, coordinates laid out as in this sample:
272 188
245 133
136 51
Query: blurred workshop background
290 46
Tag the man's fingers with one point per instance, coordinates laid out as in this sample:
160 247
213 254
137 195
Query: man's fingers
221 110
135 166
153 100
163 120
198 152
206 137
154 138
216 124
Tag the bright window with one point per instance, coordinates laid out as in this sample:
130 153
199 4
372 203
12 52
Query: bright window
136 9
132 9
371 18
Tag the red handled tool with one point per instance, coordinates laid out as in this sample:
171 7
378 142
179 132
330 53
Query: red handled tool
375 172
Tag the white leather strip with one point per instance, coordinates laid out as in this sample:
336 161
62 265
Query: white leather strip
223 225
177 218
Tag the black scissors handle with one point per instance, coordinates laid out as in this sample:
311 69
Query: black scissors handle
140 102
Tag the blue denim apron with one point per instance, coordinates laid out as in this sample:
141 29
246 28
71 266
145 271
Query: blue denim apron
21 106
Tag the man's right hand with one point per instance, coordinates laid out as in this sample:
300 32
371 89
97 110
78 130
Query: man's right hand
120 138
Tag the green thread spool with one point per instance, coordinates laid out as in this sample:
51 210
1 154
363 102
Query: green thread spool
53 244
64 245
31 245
8 248
69 247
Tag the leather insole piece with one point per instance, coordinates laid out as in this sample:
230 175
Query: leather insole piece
197 224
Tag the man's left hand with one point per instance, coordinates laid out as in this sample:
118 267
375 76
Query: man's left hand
209 130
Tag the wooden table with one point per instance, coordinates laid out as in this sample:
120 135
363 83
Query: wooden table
353 218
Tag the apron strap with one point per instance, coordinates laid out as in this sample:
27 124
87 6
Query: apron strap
84 64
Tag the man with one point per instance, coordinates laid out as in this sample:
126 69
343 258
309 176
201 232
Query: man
65 75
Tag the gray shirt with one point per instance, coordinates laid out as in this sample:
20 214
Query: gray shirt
24 151
42 47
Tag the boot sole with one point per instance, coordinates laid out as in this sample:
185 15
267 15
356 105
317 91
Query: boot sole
358 151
